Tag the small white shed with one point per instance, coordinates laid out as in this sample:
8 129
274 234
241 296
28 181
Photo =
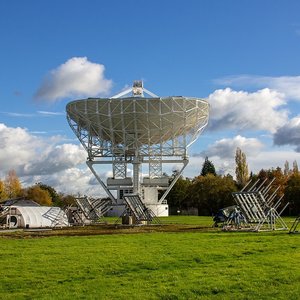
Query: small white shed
36 217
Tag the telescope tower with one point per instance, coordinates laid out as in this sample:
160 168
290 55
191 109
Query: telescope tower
138 134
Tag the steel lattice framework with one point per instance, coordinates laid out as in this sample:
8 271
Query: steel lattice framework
137 130
147 127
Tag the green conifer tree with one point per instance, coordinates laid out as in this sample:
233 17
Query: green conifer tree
208 168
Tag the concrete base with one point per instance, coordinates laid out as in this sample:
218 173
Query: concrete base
160 210
116 210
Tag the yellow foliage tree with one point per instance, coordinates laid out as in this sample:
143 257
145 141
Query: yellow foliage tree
37 194
241 170
12 184
3 194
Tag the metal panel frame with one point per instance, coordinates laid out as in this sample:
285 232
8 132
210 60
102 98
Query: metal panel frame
259 207
93 209
295 225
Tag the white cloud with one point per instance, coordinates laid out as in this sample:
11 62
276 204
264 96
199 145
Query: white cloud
289 134
222 154
222 166
240 110
48 160
226 148
17 146
14 114
287 85
51 113
262 160
39 113
75 181
272 159
77 77
53 159
30 155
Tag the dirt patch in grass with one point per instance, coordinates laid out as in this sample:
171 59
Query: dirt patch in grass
102 229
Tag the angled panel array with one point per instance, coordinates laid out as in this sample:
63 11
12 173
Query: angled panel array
57 217
136 208
93 209
259 203
4 211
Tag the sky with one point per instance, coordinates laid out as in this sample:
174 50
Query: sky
242 56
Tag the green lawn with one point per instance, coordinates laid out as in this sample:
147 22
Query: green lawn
159 265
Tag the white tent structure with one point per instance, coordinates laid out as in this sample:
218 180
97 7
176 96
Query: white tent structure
33 217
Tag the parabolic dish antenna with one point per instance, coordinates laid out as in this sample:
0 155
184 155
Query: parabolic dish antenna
138 130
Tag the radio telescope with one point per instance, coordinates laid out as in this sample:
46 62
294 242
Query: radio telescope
132 132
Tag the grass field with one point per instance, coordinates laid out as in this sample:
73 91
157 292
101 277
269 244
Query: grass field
191 261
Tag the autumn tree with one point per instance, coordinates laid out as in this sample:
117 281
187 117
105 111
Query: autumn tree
262 174
208 168
295 167
37 194
211 193
292 193
13 187
279 183
179 194
3 194
56 198
241 170
66 200
287 170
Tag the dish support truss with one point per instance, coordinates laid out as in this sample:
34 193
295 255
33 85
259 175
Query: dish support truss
170 146
259 203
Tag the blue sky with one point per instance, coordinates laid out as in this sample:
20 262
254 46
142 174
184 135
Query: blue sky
243 56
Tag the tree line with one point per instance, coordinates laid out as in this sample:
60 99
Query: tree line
208 192
11 188
204 194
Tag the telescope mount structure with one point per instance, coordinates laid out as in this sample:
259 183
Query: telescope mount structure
138 136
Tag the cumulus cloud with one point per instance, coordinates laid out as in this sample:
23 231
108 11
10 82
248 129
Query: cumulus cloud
54 159
76 181
32 155
287 85
272 159
48 160
16 147
222 166
222 154
262 160
289 134
226 148
77 77
261 110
